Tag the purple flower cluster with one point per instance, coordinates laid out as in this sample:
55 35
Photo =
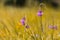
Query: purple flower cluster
53 27
40 13
27 26
23 22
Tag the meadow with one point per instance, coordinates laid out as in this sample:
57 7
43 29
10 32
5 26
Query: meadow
12 29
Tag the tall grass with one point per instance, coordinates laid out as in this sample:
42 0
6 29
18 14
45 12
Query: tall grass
12 29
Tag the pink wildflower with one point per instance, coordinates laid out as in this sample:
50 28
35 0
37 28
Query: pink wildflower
40 13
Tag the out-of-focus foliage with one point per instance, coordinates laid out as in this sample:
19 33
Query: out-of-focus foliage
12 29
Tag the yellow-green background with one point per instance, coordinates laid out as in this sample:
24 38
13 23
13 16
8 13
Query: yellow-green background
12 29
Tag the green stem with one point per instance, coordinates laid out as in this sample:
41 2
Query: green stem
52 34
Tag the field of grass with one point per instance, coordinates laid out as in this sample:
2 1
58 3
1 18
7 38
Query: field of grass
12 29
